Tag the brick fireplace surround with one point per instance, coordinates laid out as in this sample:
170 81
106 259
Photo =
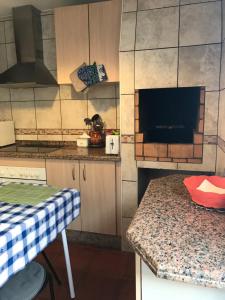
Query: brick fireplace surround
168 44
171 152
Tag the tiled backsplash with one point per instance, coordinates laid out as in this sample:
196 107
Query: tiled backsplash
51 113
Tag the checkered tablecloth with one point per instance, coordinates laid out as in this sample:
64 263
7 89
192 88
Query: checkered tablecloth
25 230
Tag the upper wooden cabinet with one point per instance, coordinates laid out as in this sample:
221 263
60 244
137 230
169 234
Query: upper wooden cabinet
88 33
105 35
72 40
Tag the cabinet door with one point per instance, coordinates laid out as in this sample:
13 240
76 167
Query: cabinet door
64 174
72 40
98 194
104 24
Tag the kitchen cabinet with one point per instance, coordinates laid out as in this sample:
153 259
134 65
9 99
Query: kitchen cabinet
104 36
72 40
96 181
98 196
64 173
88 33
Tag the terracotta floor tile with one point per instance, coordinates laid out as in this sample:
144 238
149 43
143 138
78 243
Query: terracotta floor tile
99 274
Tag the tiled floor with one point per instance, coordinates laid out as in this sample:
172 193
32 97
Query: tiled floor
99 274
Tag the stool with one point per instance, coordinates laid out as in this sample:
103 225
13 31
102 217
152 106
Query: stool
27 283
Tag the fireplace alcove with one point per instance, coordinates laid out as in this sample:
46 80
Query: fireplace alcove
169 115
169 124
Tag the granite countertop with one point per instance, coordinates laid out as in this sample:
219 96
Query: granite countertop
176 239
56 152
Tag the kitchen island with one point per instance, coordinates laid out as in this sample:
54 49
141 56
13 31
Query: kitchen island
178 241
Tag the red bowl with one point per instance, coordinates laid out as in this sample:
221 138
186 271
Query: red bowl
206 199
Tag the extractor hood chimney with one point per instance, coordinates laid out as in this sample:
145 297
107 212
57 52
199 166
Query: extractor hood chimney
30 70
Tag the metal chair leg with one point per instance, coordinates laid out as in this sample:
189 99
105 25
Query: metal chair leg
51 268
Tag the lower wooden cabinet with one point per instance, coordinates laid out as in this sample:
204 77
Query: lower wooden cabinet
64 174
98 196
96 181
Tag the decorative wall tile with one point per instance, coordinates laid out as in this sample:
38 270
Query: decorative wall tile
222 76
48 114
200 66
156 68
9 32
157 28
127 114
220 164
74 131
49 54
2 32
73 113
4 94
24 114
127 72
196 26
127 138
47 93
129 198
211 113
221 126
129 5
25 131
67 92
127 33
102 91
48 26
149 4
209 161
128 167
25 94
106 108
11 54
49 131
3 58
5 111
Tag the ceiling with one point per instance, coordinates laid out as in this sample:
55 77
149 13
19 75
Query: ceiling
6 6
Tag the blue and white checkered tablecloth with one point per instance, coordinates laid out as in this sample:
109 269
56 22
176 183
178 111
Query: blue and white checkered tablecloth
26 230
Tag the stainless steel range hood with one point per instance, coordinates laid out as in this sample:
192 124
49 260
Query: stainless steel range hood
30 70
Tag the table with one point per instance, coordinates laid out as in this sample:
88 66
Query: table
31 216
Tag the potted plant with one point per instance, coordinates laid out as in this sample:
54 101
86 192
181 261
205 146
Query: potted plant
96 130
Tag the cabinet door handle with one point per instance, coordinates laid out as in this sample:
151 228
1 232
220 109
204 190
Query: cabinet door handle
73 174
84 173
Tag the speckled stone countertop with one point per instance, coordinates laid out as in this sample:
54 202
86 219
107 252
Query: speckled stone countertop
83 154
57 152
176 239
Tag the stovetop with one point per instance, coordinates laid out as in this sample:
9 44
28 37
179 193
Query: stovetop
29 149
